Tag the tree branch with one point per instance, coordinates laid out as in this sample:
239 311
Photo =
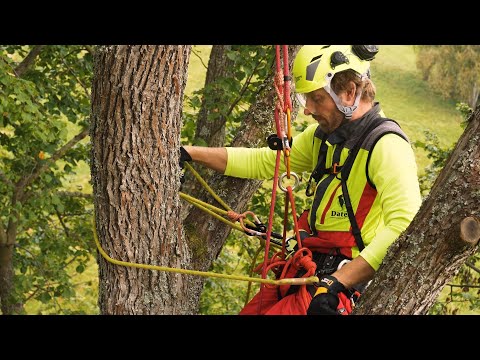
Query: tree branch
41 287
470 265
466 285
5 179
75 194
3 234
470 230
90 49
65 228
201 60
242 91
24 182
22 68
87 91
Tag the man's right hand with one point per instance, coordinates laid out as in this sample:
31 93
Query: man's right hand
184 156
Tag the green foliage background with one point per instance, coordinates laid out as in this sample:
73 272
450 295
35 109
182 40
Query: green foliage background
49 104
41 111
453 70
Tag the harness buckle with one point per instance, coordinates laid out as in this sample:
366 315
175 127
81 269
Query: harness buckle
335 169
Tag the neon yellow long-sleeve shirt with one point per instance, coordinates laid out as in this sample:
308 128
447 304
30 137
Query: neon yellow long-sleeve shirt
391 170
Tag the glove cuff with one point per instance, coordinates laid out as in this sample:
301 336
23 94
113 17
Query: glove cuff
184 155
329 283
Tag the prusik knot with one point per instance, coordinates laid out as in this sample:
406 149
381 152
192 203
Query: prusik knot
240 218
234 216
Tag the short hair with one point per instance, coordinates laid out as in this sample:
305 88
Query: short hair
341 80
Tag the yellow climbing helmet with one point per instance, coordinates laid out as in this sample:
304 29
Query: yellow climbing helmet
315 65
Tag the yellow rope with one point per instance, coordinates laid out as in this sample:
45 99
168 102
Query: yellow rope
292 281
206 186
205 207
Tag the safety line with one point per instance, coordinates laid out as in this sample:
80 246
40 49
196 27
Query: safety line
289 281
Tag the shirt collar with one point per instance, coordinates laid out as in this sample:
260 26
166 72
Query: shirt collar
348 130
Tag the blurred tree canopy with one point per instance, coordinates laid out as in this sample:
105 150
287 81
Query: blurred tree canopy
44 229
452 70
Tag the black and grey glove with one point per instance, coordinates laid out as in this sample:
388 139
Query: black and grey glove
325 301
184 156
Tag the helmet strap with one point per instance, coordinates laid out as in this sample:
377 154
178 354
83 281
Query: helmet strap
346 110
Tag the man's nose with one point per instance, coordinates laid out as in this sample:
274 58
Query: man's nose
306 111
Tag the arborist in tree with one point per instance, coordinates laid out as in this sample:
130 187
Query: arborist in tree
363 181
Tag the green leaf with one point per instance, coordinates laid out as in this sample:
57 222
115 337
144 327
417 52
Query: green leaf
80 268
68 292
44 297
232 55
56 200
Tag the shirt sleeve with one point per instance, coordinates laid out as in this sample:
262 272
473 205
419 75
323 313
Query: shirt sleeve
259 163
393 170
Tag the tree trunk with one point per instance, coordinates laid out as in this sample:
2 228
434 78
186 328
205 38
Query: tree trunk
205 234
136 119
443 234
9 305
219 66
209 132
6 278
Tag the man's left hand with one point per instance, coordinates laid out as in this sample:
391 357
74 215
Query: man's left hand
326 299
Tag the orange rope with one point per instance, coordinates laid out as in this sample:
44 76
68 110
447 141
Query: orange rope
234 216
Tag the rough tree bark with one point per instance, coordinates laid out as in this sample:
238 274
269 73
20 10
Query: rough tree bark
442 236
206 235
136 119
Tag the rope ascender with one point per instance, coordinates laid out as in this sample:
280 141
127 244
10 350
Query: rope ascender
301 258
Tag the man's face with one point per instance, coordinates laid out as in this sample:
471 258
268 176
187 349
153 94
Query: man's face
320 105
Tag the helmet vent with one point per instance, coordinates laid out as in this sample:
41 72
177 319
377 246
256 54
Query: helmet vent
311 69
338 58
315 58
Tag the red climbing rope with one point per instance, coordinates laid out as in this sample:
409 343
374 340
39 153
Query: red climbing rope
302 258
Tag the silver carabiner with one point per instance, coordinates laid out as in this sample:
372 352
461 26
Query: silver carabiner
280 181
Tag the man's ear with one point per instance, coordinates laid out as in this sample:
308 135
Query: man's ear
350 93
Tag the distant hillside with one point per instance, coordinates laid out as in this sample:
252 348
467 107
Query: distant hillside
405 97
